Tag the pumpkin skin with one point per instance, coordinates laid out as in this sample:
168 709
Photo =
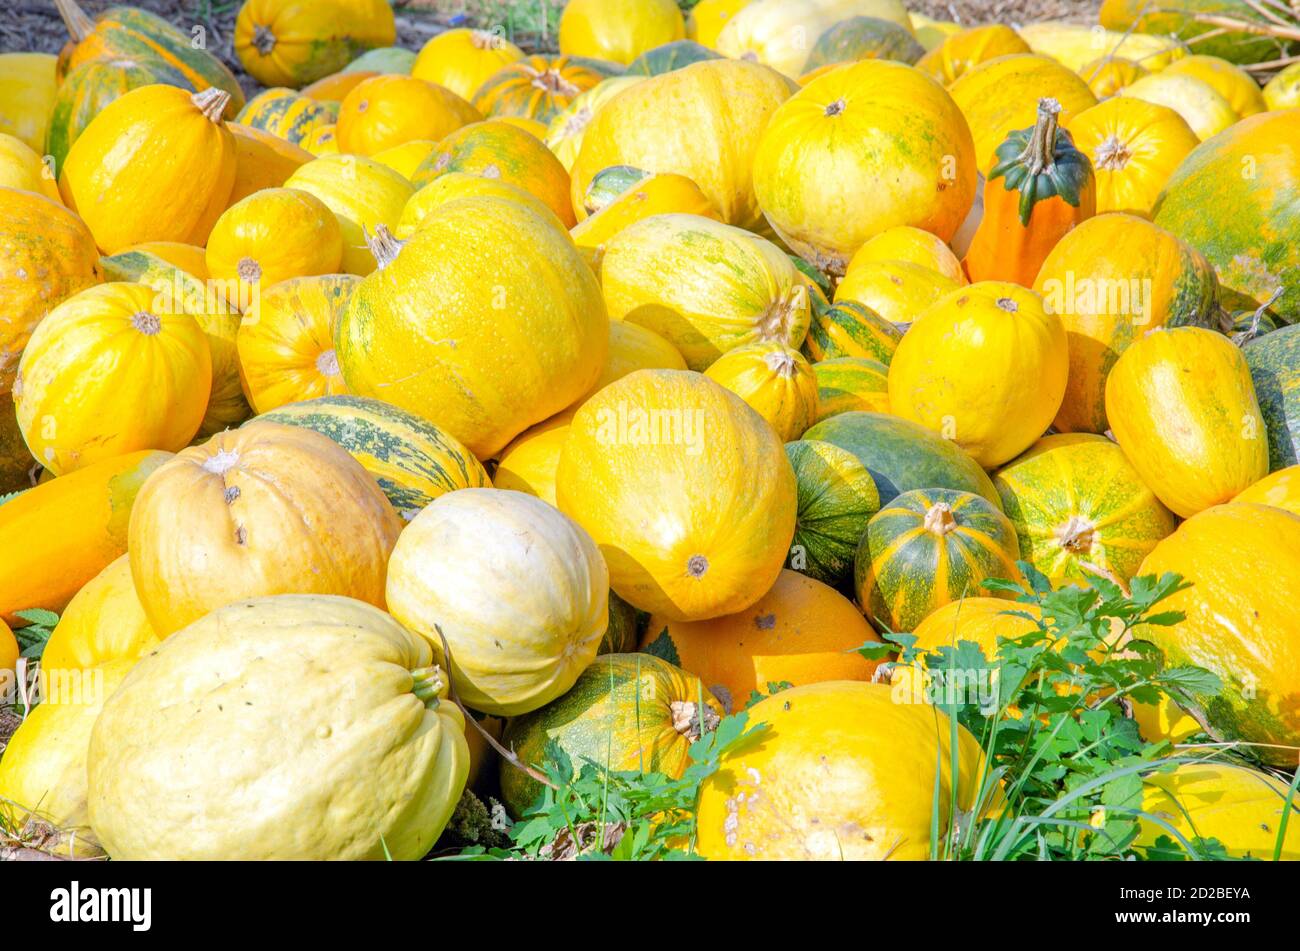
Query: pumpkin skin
1244 634
775 380
462 60
322 141
929 547
47 254
387 111
189 258
1253 249
289 43
565 133
851 384
725 513
1075 44
670 56
28 88
155 165
404 159
703 122
876 762
837 497
384 60
513 656
289 115
286 341
360 719
859 38
1280 489
961 52
456 185
1110 280
540 87
850 329
336 86
708 17
1109 74
116 373
1182 406
103 624
913 245
1206 112
1283 90
17 467
1274 361
1231 82
362 194
704 286
262 160
618 30
986 366
1075 500
9 651
21 168
898 291
862 126
655 195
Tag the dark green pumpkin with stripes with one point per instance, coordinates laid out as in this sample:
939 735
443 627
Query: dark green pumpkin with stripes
1274 361
859 38
288 114
851 384
850 329
836 499
670 57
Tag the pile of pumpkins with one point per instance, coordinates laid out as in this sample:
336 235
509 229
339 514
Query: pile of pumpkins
597 391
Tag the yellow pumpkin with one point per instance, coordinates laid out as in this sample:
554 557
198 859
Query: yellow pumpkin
711 470
28 87
388 111
110 372
323 140
1283 90
457 185
158 164
404 159
631 348
289 115
1110 74
777 382
897 290
1075 44
286 341
708 17
268 509
1228 79
653 195
781 33
540 87
291 44
565 133
874 122
1206 112
1280 489
462 60
21 167
190 258
362 194
618 30
986 367
913 245
334 87
262 160
104 623
8 648
961 52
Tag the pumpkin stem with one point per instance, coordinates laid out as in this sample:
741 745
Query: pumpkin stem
696 566
384 246
78 24
1077 535
222 462
263 40
1252 332
1040 154
686 718
775 324
485 40
939 519
553 81
428 685
211 102
781 362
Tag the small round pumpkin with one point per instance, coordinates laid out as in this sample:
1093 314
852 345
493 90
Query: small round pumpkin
1109 74
898 291
914 245
961 52
653 195
456 185
336 86
22 168
1283 90
463 59
850 329
540 87
618 30
1206 111
289 115
104 623
775 380
851 384
388 111
293 44
863 37
837 497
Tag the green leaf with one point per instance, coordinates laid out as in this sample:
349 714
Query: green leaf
38 616
664 648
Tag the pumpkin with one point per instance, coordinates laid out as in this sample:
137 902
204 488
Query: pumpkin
1206 112
851 384
17 467
462 60
618 31
456 185
506 153
703 122
775 380
1108 75
47 254
959 53
1247 169
704 286
262 160
540 87
387 111
670 56
1230 81
624 627
898 291
1001 95
60 534
9 652
361 722
285 43
289 115
1283 90
28 88
850 329
724 512
157 164
1280 489
903 455
1134 147
884 779
384 60
508 656
986 366
362 194
863 37
654 195
286 340
627 713
323 140
837 497
565 133
336 86
708 17
913 245
1075 44
1110 280
413 461
862 126
104 623
22 168
1245 634
926 548
271 236
1182 21
190 258
1274 361
404 159
1080 508
108 372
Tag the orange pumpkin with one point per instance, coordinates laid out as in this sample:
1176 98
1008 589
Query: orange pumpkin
292 44
336 86
387 111
1108 75
262 160
539 87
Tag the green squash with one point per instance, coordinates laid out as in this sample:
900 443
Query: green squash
850 329
608 184
851 384
822 282
389 60
624 631
669 57
837 498
1274 361
859 38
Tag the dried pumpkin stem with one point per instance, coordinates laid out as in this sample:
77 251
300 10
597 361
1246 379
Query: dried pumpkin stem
211 102
78 23
384 245
939 519
1040 153
263 40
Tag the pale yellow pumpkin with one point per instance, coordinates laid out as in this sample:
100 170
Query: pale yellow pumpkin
457 185
708 17
618 30
463 59
1075 44
21 167
1228 79
781 33
28 88
565 133
913 245
1199 103
777 382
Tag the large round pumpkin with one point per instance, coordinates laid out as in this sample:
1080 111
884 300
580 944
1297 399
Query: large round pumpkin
293 44
618 30
540 87
775 380
266 509
837 497
386 111
1230 81
463 59
1206 112
103 623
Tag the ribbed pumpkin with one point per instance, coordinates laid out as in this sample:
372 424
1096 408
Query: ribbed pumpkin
387 111
986 366
1206 112
155 165
863 37
837 497
289 115
1245 633
1109 74
926 548
618 30
47 254
1274 361
703 122
653 195
913 245
708 17
336 86
269 509
872 122
463 59
27 91
775 380
413 461
564 133
508 655
779 33
285 43
457 185
60 534
362 194
713 472
104 623
474 257
110 372
1280 489
1182 406
670 56
1110 280
850 329
22 168
961 52
1229 80
1283 90
540 87
851 384
262 160
286 340
898 291
1081 509
704 286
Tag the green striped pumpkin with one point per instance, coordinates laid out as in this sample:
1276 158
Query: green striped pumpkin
1274 361
859 38
540 87
837 498
669 57
927 548
850 329
288 114
851 384
413 461
609 184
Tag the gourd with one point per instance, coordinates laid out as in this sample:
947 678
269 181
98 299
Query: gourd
863 37
913 245
269 509
1109 74
1206 111
1039 188
898 291
775 380
961 52
540 87
1274 361
348 711
155 165
708 17
986 367
724 512
851 384
456 185
116 373
104 623
565 133
413 461
289 115
28 87
670 56
837 496
1182 406
1283 90
286 340
704 286
1279 489
462 60
860 126
387 111
1230 81
508 656
850 329
262 160
654 195
285 43
618 30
